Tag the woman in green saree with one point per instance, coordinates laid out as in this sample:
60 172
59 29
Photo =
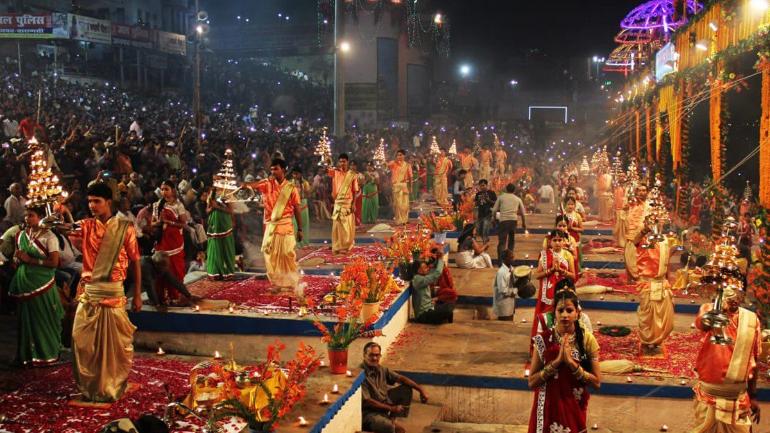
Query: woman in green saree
40 311
220 247
371 199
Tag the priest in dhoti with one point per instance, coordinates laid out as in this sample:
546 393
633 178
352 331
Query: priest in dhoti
401 178
468 162
500 157
619 230
656 304
604 193
634 225
102 335
344 188
440 180
281 200
485 164
725 395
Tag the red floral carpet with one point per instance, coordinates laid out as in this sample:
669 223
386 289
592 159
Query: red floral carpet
677 360
39 404
619 283
258 295
368 252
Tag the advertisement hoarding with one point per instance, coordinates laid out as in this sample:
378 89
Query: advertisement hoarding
33 26
89 29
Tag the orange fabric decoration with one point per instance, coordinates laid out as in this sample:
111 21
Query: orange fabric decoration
715 127
638 135
764 137
648 133
670 102
658 133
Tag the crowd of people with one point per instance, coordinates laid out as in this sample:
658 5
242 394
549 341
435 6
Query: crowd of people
139 156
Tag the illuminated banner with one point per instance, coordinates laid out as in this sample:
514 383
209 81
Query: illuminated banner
131 36
666 61
171 43
33 26
89 29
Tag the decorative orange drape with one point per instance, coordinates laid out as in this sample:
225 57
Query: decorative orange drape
648 132
715 126
638 135
764 137
671 103
658 133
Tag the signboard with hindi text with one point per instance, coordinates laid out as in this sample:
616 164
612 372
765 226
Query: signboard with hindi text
131 36
82 28
171 43
33 26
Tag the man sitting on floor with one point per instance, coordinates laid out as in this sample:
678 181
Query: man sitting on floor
380 403
425 311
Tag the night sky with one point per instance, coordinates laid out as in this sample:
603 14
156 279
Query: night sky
486 30
491 29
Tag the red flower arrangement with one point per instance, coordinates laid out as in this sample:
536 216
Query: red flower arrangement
437 223
406 246
348 325
366 281
283 387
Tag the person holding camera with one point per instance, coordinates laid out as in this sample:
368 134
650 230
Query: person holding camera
425 310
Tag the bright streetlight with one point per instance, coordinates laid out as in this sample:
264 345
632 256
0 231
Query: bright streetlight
465 70
514 82
438 19
345 46
759 5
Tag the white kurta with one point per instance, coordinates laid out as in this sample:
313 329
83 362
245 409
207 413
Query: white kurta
503 302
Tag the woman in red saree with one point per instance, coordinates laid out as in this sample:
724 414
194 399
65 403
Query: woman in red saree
565 363
552 267
170 216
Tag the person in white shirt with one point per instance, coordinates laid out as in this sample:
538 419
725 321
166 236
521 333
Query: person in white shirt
546 194
504 299
10 127
507 210
416 141
136 127
15 204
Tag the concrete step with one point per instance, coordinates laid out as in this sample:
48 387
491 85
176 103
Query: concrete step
421 416
462 427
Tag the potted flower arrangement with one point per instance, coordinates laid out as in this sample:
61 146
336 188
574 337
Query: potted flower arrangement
369 283
347 327
405 247
438 225
277 389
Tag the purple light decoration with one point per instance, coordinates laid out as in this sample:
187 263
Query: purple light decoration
656 14
634 37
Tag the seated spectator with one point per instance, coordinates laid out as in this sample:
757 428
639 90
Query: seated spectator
425 311
155 268
381 403
199 264
470 253
445 292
